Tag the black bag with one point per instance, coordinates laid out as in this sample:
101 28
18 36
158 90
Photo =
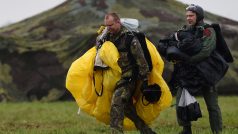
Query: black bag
189 113
213 68
188 107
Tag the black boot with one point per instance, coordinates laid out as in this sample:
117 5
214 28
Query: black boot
142 127
186 130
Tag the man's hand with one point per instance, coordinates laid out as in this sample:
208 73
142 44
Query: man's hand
99 31
102 32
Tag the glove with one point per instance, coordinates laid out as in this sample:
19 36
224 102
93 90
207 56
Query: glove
99 31
102 32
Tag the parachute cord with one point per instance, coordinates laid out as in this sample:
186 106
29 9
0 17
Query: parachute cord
144 102
98 94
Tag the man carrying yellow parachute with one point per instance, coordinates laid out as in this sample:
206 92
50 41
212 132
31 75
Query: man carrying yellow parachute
119 81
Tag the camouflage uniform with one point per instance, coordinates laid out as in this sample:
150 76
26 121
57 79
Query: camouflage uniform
133 65
209 92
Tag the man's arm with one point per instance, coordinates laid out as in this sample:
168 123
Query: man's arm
138 55
102 33
208 45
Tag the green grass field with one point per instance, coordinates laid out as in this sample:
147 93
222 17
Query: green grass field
62 118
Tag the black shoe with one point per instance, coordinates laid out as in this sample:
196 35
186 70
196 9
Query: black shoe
186 130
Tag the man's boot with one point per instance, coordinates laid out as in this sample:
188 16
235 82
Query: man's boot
142 127
186 130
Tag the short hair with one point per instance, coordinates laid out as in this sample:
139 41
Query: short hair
114 15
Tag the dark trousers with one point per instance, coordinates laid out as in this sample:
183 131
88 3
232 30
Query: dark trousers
122 106
210 96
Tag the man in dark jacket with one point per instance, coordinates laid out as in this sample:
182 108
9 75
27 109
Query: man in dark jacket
190 74
134 66
195 16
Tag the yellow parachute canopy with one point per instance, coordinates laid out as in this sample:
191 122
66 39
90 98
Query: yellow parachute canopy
83 82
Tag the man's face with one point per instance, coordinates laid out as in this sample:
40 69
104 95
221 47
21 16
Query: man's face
191 18
112 25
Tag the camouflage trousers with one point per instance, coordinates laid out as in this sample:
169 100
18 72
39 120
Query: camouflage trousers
122 106
210 96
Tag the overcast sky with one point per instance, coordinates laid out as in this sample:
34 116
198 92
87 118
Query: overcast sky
225 8
12 11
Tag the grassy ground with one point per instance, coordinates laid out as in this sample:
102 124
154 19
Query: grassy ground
62 118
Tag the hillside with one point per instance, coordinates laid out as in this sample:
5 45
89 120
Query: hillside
36 53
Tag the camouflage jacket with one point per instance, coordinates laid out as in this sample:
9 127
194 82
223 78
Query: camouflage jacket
132 60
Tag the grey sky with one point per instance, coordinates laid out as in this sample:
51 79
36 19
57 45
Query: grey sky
12 11
225 8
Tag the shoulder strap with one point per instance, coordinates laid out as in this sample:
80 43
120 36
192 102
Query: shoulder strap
222 46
